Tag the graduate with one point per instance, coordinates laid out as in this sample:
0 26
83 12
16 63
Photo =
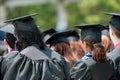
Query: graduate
34 61
114 30
94 65
9 39
106 41
59 43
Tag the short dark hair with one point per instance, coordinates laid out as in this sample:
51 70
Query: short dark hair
117 33
27 38
10 39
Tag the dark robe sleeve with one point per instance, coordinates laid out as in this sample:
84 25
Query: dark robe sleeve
1 77
63 67
34 65
80 71
20 67
60 63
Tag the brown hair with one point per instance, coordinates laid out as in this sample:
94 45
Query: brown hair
65 50
77 49
98 51
106 42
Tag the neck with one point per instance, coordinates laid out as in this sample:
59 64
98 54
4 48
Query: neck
116 42
88 49
10 49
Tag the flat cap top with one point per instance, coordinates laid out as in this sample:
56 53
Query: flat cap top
20 18
57 38
24 23
9 28
114 20
111 13
91 31
88 26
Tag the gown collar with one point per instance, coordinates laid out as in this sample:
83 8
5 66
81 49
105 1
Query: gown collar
117 45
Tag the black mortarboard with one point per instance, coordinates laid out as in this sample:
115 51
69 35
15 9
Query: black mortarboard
25 23
58 38
106 32
91 31
47 33
114 20
72 35
2 34
8 28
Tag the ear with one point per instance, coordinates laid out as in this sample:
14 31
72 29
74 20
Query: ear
5 42
111 31
84 46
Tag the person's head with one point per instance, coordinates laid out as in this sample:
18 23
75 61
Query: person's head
91 39
2 46
26 32
77 49
64 50
9 39
72 35
59 43
106 41
98 53
114 27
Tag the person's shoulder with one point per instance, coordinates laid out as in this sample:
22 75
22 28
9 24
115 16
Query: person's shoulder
79 64
78 70
1 57
90 62
52 54
115 54
11 54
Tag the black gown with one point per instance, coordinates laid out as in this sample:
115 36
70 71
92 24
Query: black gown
33 64
92 70
115 56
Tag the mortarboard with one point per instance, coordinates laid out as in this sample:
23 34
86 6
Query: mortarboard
114 20
106 31
2 34
9 28
25 23
58 38
91 31
72 35
47 33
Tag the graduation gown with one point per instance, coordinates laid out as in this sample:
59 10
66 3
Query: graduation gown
92 70
33 64
115 56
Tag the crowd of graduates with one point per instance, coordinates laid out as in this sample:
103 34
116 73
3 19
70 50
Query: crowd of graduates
92 54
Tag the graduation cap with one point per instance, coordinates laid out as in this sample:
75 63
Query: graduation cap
106 31
25 23
2 34
114 20
72 35
9 28
58 38
47 33
91 31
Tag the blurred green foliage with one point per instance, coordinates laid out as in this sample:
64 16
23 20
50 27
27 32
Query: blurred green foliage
45 19
83 12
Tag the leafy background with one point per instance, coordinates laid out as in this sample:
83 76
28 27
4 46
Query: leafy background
83 12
